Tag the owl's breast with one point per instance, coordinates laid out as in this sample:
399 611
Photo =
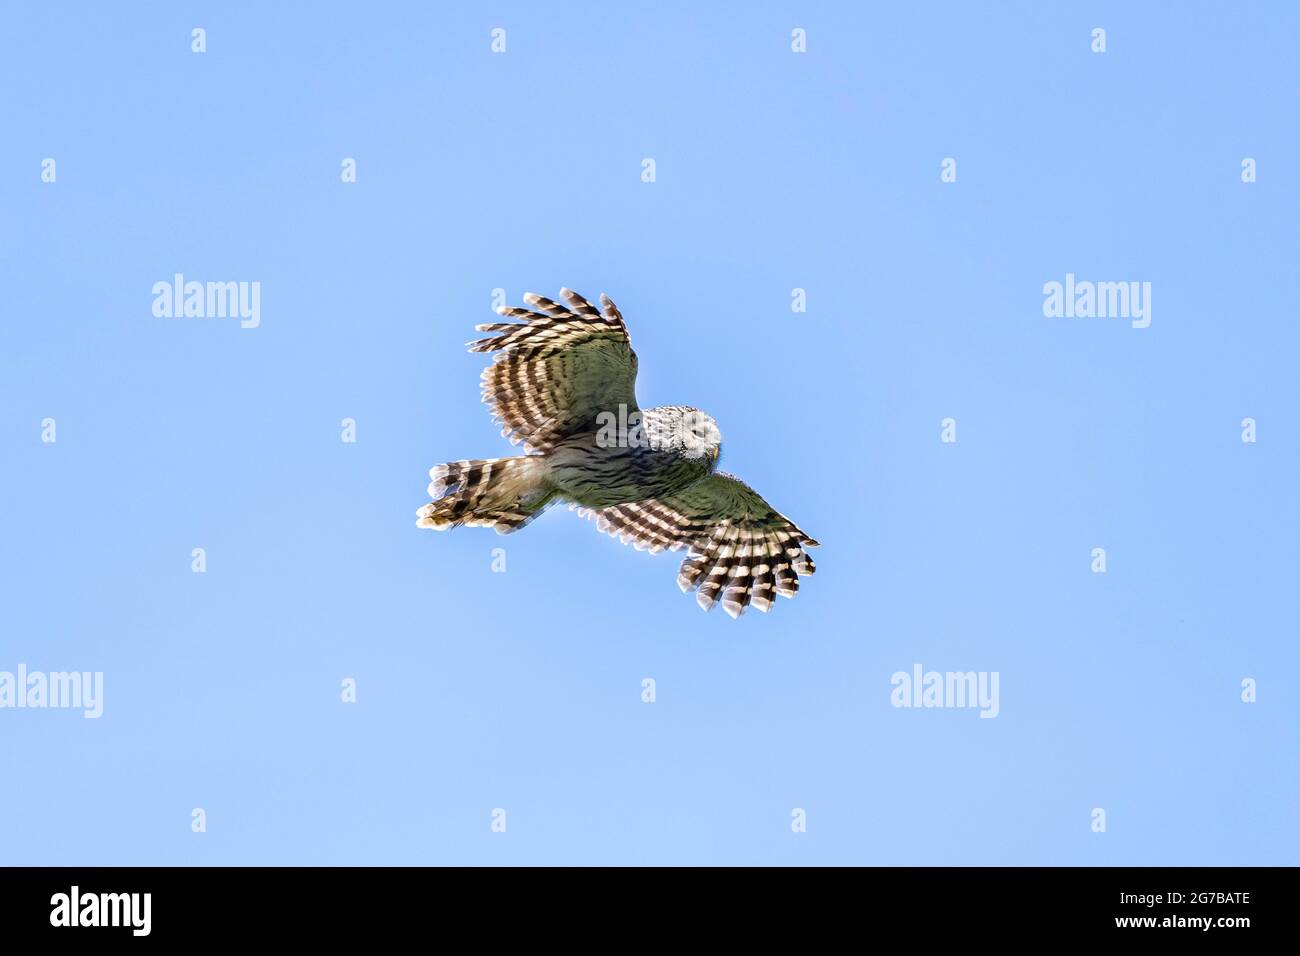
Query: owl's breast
596 475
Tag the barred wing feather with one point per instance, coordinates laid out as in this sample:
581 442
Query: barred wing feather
741 549
558 369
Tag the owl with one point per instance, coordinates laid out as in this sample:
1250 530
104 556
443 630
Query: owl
563 382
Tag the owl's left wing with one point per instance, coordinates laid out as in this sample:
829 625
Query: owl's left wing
555 373
740 547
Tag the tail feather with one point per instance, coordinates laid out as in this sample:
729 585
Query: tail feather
500 493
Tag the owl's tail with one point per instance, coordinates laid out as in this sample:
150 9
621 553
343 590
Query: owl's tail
501 493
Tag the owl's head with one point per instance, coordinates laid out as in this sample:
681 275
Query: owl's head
689 432
704 437
700 436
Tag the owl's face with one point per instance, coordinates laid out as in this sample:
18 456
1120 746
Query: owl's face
701 437
686 432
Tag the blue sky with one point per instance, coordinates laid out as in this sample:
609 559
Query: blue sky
774 171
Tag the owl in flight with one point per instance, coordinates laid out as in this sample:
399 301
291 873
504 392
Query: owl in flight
563 382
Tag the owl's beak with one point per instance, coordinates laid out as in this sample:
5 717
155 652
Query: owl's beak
714 453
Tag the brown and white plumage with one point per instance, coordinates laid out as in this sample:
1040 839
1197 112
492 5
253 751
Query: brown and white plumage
558 379
740 548
553 374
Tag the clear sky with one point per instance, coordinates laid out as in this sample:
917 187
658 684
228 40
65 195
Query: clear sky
774 171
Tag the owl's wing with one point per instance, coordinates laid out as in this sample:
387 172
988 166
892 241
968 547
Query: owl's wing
559 369
740 547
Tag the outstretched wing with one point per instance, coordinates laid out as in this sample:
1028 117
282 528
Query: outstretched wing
559 369
740 547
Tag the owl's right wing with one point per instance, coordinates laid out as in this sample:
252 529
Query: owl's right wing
740 547
558 370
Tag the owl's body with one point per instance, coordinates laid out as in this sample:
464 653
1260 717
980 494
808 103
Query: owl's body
597 474
563 383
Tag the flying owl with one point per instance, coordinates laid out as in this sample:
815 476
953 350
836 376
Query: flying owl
563 382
